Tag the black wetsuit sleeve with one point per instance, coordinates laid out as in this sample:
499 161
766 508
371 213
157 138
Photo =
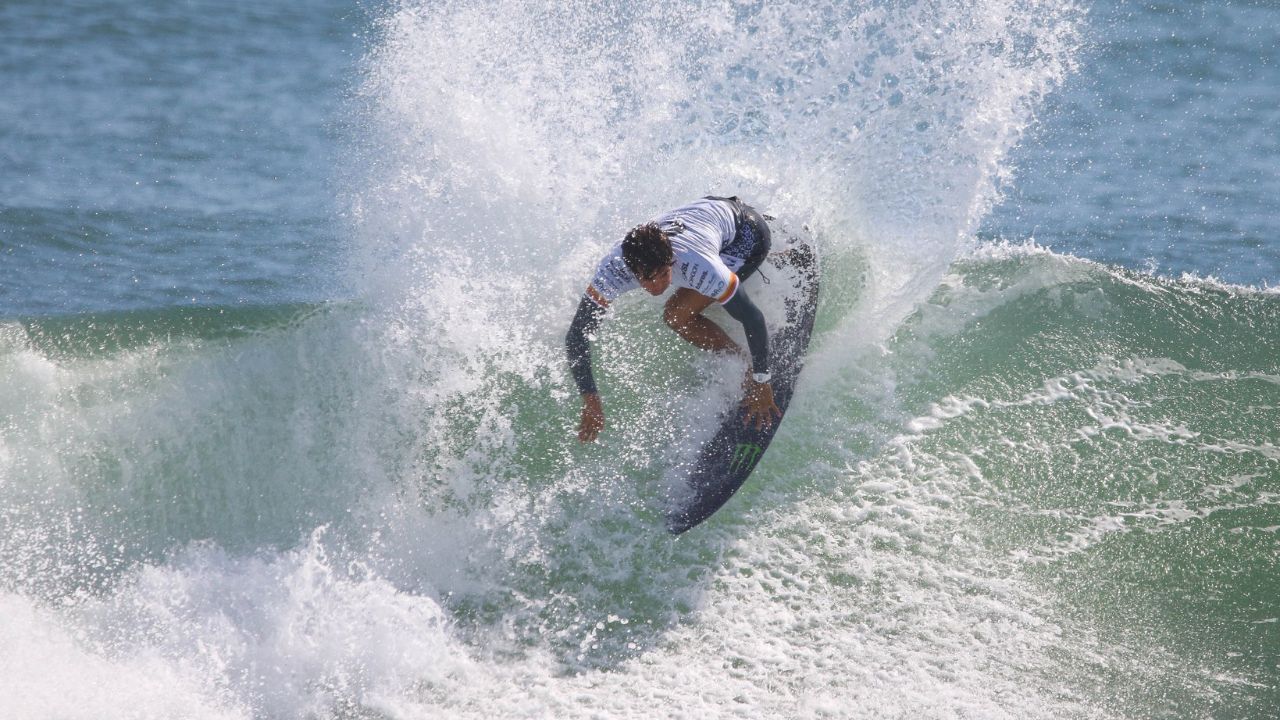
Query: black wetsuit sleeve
585 322
741 308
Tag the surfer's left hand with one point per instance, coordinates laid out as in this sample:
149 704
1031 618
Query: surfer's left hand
761 409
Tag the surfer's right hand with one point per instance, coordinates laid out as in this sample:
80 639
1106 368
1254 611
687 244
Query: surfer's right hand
592 418
761 408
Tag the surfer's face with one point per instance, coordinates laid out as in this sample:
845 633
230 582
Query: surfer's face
657 283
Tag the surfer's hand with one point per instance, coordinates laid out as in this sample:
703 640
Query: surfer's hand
592 418
761 409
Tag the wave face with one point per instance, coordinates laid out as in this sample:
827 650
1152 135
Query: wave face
1012 483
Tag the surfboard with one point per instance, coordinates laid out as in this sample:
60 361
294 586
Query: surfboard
725 462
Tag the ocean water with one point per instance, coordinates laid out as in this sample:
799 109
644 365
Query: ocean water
286 429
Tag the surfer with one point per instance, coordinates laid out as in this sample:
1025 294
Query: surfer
706 249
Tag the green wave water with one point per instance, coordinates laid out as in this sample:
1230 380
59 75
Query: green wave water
1067 506
1114 439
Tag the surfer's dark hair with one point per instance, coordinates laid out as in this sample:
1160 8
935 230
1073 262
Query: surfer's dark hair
647 250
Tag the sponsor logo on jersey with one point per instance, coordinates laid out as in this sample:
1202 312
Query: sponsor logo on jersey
728 293
619 273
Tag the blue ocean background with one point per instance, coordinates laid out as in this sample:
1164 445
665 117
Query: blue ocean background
286 431
1157 154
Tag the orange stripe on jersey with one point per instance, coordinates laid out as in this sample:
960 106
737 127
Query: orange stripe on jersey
729 291
596 297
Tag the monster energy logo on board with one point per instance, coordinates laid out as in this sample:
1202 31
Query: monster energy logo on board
745 456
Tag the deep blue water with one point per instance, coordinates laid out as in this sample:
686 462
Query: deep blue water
189 153
170 154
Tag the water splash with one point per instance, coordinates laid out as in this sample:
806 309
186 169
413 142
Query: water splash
518 134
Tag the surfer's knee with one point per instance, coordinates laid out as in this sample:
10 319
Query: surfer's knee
683 311
679 311
675 315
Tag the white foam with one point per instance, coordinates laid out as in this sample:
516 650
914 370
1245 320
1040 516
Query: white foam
211 635
51 670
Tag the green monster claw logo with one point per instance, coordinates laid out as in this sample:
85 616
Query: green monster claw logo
745 456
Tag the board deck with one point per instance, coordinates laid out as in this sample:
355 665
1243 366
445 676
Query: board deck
726 461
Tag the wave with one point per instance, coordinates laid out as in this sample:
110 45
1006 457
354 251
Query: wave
1047 415
1002 470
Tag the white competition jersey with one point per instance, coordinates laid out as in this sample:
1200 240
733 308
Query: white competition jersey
697 231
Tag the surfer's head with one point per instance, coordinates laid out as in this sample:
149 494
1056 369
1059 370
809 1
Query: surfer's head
647 253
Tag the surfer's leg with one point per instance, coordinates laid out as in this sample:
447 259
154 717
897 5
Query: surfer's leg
744 254
683 313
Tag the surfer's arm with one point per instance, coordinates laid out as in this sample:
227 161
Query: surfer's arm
585 323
